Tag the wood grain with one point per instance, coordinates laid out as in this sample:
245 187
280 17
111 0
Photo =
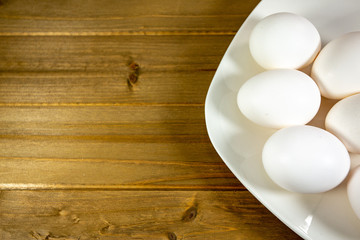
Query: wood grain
51 173
111 17
136 215
112 163
173 69
101 120
173 87
111 54
46 139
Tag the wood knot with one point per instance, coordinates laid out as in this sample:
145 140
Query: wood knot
49 236
63 212
108 229
190 214
134 74
75 218
172 236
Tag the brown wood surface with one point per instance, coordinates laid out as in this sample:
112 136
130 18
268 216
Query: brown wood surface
102 129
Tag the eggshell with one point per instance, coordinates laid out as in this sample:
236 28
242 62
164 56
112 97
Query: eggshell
353 190
284 40
343 120
336 70
305 159
279 98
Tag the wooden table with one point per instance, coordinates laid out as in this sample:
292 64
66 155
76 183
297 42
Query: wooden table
102 123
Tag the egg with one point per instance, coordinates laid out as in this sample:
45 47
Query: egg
279 98
353 190
343 120
305 159
336 70
284 40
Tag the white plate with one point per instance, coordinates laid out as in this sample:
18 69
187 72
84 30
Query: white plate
239 142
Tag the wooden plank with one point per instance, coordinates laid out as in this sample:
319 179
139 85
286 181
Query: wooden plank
80 70
22 17
102 120
72 148
112 54
107 215
52 173
151 87
159 148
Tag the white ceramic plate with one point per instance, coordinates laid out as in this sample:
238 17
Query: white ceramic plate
239 142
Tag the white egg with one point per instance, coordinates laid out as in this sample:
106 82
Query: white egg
343 120
279 98
353 190
284 40
336 70
305 159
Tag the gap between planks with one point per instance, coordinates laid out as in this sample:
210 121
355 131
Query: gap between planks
98 18
117 187
119 33
4 104
152 162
